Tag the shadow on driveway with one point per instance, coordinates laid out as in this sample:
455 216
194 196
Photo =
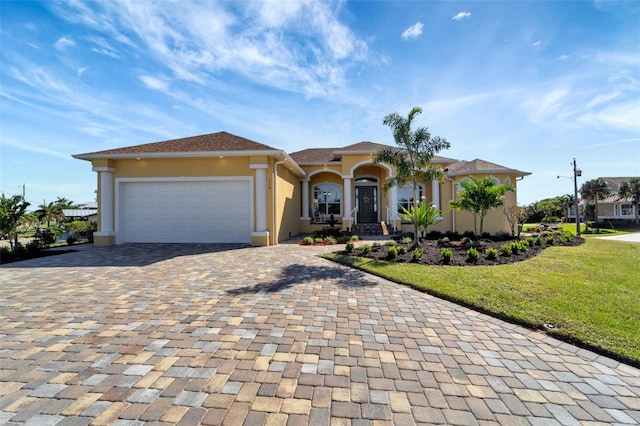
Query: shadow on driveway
122 255
298 274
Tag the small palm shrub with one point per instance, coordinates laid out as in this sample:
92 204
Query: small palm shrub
491 253
354 238
330 240
318 240
417 254
307 241
390 243
473 255
549 240
446 254
443 242
402 250
376 244
406 240
538 241
349 246
392 252
366 248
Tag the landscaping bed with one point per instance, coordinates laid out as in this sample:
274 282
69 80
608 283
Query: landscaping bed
464 252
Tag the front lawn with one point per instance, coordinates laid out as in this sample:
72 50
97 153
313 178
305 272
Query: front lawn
588 294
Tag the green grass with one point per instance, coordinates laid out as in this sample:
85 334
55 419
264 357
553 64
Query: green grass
589 293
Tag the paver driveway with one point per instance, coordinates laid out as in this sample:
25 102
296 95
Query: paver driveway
276 335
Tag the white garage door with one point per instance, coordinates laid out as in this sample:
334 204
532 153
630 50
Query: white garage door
184 212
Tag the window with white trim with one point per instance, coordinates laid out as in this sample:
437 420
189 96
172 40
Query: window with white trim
623 209
327 201
405 196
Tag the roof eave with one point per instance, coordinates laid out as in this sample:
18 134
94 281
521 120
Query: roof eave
518 173
187 154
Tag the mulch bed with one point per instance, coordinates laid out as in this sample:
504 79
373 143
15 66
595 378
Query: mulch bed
432 250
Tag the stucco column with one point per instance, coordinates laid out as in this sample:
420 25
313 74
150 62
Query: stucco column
346 186
435 190
305 200
261 196
105 174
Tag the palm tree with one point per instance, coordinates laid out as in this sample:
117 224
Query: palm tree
594 189
412 158
631 189
567 201
65 203
51 211
478 197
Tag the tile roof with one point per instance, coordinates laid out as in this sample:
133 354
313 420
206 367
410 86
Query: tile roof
213 142
480 166
326 155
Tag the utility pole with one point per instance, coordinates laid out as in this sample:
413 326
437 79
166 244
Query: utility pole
23 190
576 172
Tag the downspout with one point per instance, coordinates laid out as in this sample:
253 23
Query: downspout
453 197
275 201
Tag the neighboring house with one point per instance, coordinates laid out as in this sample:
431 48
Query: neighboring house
615 207
222 188
81 214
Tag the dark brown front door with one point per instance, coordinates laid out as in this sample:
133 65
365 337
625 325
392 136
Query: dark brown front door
367 204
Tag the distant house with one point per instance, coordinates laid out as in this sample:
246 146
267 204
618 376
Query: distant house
224 188
615 207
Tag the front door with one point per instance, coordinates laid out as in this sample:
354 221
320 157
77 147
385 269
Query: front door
367 204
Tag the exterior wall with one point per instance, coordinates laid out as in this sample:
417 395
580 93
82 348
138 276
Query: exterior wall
288 199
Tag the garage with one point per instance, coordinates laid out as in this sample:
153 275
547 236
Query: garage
184 211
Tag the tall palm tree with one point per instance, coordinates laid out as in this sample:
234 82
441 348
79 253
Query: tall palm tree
631 189
412 158
594 189
479 196
567 201
51 211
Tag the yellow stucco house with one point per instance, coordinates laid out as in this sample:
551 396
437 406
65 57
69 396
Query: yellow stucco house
223 188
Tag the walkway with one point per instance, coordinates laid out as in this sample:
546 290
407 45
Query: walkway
214 335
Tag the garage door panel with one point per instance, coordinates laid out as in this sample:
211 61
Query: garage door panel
182 212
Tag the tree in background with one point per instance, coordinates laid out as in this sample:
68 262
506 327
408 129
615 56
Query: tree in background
64 203
11 211
631 189
479 196
412 158
51 211
594 190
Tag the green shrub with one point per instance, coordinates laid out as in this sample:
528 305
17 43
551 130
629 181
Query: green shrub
530 241
307 241
491 253
417 254
45 237
392 252
465 240
443 242
549 240
349 246
71 240
366 248
402 250
318 240
354 238
446 254
376 244
390 243
505 249
473 255
469 234
330 240
538 241
406 240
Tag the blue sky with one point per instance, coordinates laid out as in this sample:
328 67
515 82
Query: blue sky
528 85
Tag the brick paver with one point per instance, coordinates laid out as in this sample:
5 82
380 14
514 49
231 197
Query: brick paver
188 334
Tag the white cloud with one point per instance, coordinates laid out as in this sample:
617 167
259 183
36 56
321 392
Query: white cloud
537 43
462 15
80 71
413 31
63 43
563 57
154 82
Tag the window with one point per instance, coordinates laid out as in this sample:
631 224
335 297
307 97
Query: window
507 181
405 196
623 209
326 201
